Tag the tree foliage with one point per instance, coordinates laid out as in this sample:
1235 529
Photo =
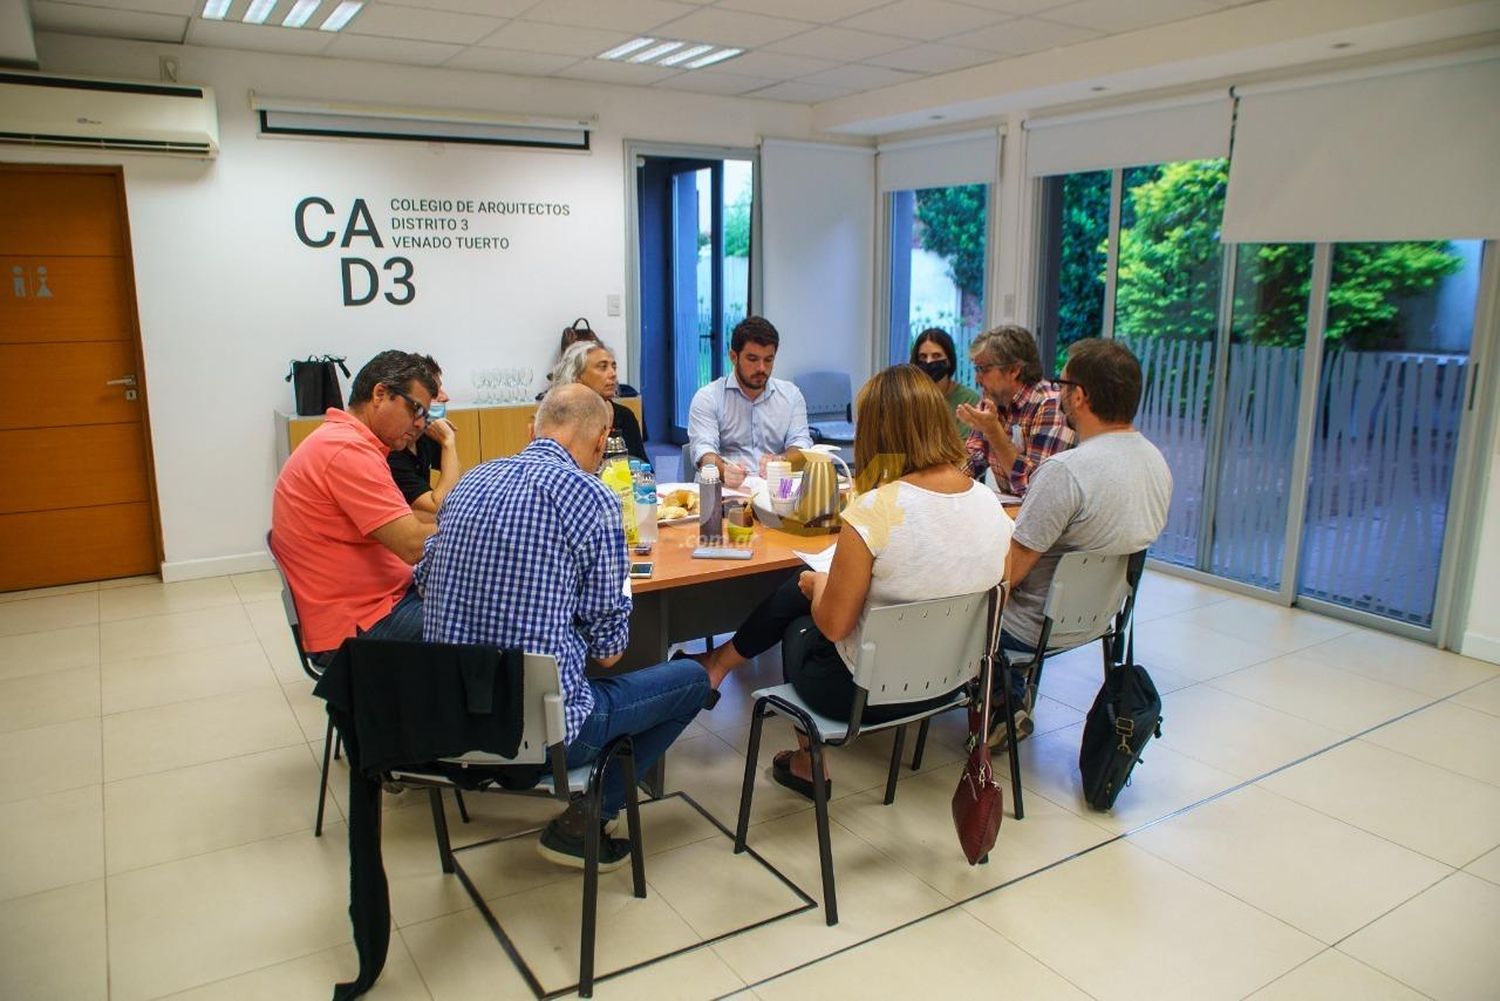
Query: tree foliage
952 225
1170 265
737 226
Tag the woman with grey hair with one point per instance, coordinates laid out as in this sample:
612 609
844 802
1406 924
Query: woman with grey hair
593 364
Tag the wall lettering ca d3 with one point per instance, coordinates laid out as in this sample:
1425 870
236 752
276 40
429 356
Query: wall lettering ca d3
361 281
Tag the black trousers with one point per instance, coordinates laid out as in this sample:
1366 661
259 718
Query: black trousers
810 661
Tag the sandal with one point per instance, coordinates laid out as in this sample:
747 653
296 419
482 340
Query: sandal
782 774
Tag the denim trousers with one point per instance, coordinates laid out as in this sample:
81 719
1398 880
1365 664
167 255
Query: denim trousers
402 622
652 705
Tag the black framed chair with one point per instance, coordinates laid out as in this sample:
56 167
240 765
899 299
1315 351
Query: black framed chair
314 670
908 653
539 769
1092 594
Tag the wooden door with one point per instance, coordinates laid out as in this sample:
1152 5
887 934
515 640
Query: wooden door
79 503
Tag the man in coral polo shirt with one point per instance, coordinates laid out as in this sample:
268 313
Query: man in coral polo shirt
340 528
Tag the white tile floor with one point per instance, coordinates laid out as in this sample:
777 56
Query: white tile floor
1320 819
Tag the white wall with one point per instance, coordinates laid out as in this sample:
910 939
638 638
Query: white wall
227 293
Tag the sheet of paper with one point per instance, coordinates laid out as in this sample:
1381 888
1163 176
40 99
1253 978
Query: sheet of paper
816 561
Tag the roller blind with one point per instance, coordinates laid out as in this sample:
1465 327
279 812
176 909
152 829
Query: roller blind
1410 152
818 226
1190 128
938 162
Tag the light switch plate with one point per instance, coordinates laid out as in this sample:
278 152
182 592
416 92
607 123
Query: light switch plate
612 304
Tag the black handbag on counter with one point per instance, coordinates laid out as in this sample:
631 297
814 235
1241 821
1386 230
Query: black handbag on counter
316 384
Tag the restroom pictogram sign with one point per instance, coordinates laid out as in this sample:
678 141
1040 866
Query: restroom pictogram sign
30 283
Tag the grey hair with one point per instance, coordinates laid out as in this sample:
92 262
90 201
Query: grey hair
1009 345
575 360
573 408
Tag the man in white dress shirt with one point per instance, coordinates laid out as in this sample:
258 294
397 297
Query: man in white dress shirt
746 419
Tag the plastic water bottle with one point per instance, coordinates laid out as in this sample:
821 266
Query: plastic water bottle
710 504
645 502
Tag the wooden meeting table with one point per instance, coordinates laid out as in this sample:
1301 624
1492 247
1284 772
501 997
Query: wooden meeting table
688 599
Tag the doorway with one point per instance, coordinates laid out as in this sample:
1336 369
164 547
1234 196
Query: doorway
694 235
83 503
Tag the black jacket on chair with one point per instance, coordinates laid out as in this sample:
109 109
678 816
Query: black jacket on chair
399 705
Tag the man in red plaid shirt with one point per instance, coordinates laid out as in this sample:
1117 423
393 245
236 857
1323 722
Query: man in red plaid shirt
1018 423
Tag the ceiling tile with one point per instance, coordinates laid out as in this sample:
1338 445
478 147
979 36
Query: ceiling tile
182 8
1017 6
556 39
390 21
391 50
257 37
853 77
1026 34
638 16
728 27
778 66
486 8
77 20
822 11
705 82
925 19
1113 17
839 44
933 58
802 92
507 61
599 71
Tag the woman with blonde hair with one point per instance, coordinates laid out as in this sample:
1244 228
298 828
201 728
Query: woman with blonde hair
920 528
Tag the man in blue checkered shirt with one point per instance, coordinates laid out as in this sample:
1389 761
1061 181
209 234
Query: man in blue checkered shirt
530 552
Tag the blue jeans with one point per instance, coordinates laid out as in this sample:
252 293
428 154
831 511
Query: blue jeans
653 705
1011 646
402 622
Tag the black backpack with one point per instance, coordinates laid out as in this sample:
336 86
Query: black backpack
1126 713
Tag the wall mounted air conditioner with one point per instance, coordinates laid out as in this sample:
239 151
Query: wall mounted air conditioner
41 110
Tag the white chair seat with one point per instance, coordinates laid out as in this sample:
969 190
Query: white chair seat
834 731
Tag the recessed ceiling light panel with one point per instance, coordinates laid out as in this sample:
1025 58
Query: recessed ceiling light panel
683 55
654 52
216 10
620 51
342 15
301 12
259 10
713 57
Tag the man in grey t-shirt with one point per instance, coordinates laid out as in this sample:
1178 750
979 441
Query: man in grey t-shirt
1108 495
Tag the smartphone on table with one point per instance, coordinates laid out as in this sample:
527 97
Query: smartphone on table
641 568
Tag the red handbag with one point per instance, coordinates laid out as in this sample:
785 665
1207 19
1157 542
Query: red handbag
978 803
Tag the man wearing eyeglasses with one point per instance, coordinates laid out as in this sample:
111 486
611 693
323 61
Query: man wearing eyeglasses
1018 423
340 528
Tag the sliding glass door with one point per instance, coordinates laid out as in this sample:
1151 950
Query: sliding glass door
1392 391
1309 399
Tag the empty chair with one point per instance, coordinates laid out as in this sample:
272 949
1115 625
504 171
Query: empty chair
830 401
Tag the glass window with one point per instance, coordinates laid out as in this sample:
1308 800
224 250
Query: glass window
937 267
1074 256
1390 401
1167 310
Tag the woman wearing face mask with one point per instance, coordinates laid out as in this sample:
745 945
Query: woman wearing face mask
933 353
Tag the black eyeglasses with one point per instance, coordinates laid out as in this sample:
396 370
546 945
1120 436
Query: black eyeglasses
418 412
1060 383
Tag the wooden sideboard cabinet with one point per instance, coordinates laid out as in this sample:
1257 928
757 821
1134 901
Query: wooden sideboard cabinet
483 432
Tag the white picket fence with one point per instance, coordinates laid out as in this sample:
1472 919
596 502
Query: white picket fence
1381 467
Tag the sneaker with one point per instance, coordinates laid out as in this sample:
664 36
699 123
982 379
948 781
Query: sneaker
561 846
999 739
